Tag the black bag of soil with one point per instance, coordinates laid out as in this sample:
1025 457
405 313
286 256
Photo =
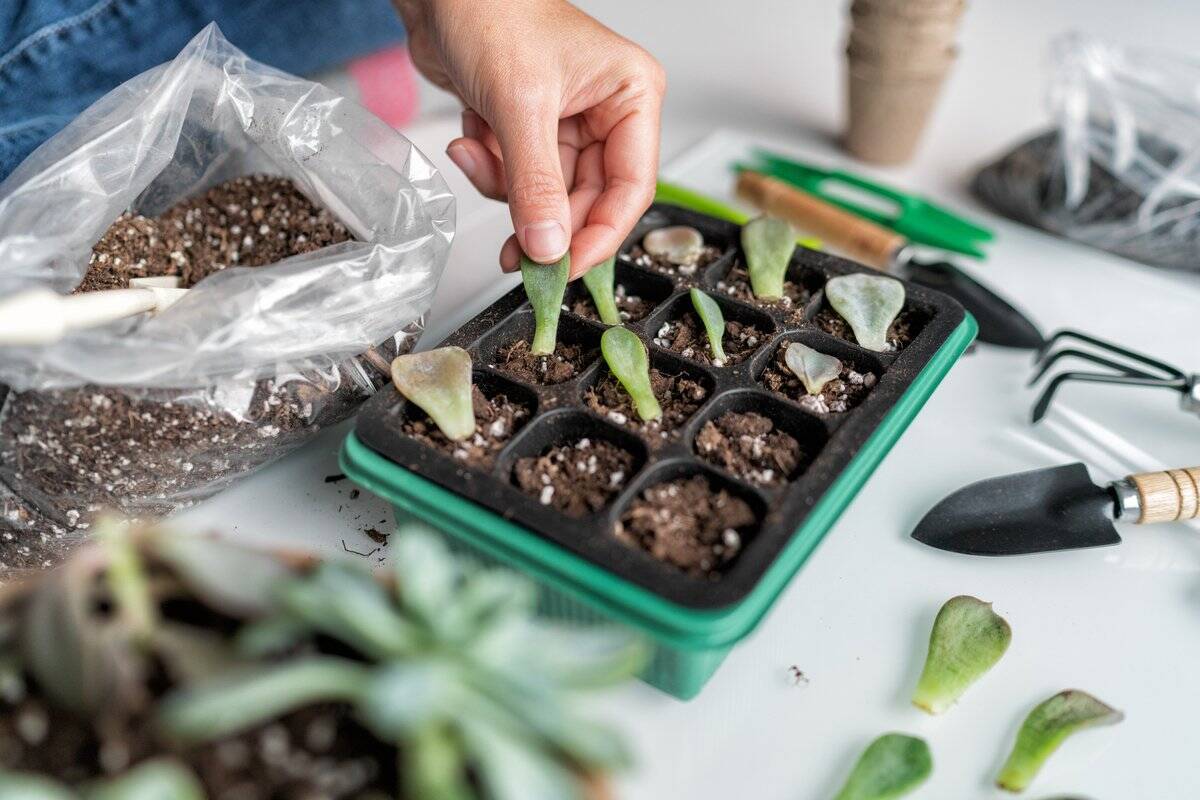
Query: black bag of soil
312 236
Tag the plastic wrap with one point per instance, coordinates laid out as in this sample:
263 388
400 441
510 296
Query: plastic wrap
1120 170
253 361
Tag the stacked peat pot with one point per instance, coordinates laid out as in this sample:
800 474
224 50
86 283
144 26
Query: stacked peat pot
898 55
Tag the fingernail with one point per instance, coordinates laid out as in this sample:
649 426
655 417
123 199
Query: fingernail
545 241
462 158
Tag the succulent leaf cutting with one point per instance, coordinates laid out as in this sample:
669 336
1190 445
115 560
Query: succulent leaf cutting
714 323
1046 727
768 243
439 382
967 640
868 303
600 281
545 285
892 766
812 367
677 244
627 359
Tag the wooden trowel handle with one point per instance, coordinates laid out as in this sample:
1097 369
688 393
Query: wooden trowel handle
858 238
1168 496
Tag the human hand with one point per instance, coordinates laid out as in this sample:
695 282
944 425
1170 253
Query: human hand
561 121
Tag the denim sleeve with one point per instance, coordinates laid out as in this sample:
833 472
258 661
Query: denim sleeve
58 56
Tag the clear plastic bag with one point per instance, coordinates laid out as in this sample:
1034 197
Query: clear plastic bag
253 361
1121 168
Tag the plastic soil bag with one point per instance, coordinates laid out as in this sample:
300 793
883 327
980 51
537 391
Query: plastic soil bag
1120 170
314 236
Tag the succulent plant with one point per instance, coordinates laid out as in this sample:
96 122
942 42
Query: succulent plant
448 664
768 243
152 780
714 323
892 766
600 281
627 359
812 367
1045 728
967 640
675 244
545 285
868 303
439 382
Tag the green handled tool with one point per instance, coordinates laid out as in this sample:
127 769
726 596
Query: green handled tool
917 219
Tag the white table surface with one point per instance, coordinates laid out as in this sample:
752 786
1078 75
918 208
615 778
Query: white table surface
1123 622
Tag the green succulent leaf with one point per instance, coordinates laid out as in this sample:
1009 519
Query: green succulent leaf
513 768
968 638
153 780
435 765
768 244
126 580
545 285
812 367
714 323
627 358
439 382
892 766
587 658
23 786
601 281
868 303
681 245
427 576
232 578
1046 727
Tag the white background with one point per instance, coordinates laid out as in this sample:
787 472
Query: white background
1123 623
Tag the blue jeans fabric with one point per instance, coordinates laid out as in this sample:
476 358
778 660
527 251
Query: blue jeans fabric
58 56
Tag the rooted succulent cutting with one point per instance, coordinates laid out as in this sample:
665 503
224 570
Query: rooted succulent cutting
714 323
600 281
868 303
627 359
968 638
439 382
1044 730
676 244
768 243
892 766
545 285
812 367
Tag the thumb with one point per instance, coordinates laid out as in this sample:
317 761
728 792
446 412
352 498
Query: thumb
537 195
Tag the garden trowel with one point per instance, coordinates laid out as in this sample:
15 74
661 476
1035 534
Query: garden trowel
1058 508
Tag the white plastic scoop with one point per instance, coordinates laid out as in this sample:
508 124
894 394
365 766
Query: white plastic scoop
40 316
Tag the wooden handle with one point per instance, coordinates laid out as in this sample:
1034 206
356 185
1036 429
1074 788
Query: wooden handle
1168 496
858 238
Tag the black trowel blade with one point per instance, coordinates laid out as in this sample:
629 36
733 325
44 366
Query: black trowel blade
1059 508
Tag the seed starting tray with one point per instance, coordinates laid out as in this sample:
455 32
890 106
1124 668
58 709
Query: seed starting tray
581 556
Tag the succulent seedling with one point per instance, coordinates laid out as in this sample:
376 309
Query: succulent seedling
676 244
627 359
1044 730
600 281
868 303
892 766
714 323
439 382
768 243
545 285
812 367
967 640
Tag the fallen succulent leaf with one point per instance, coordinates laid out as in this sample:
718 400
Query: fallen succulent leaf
768 243
868 303
627 359
812 367
600 281
892 766
439 382
1044 730
545 285
714 323
967 639
678 244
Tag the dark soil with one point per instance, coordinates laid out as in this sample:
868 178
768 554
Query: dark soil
629 306
686 336
577 479
496 420
749 446
838 396
678 395
736 284
564 364
66 454
904 329
640 258
689 525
